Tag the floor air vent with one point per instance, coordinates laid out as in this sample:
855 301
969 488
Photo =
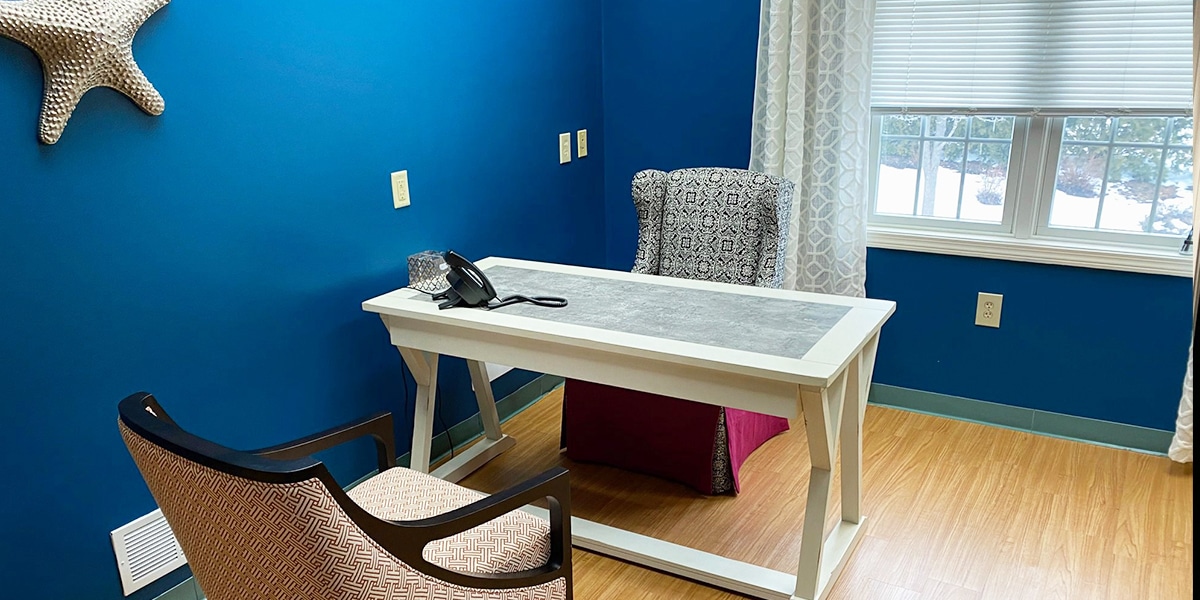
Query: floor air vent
146 550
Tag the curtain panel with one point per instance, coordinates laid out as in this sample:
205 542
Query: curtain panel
812 123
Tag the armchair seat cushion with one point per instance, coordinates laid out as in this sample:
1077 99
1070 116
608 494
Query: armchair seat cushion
514 542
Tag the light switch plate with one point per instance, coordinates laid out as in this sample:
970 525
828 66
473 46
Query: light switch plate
564 148
581 142
400 189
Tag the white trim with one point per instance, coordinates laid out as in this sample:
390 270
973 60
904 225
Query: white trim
1052 252
1029 174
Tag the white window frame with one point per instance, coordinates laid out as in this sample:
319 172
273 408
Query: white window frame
1024 233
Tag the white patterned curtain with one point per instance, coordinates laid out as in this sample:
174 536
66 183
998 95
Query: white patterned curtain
812 121
1181 444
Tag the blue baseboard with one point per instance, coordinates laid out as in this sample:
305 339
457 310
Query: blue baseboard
1082 429
461 434
184 591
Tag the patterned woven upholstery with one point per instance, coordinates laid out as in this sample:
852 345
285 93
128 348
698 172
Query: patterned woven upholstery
514 542
247 539
710 224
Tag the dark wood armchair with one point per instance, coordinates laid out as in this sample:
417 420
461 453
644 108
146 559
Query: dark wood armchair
273 523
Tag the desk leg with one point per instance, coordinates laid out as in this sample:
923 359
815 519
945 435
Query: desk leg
821 558
494 442
483 396
859 385
424 367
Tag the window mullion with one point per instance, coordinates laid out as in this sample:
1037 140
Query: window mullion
1031 164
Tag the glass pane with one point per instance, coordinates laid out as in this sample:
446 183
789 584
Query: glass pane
1087 129
1141 129
897 180
940 179
1133 173
986 182
999 128
1132 186
1174 215
901 125
1077 186
946 126
1181 132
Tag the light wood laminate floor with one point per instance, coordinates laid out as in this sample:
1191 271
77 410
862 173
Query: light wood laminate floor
958 511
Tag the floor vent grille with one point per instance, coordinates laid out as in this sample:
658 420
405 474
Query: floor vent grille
146 550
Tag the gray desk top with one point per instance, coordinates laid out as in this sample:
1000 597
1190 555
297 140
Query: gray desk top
772 326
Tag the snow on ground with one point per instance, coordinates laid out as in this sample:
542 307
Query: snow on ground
898 187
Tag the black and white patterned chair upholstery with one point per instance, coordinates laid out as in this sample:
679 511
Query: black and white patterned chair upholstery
712 224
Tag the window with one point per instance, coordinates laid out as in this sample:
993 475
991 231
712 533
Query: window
944 166
1130 174
1045 122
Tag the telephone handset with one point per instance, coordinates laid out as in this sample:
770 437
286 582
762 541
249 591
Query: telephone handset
470 287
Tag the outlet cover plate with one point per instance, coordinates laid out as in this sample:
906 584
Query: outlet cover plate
564 148
987 309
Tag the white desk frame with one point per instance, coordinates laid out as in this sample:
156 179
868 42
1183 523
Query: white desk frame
828 386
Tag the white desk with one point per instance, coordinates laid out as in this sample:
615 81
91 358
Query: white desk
772 351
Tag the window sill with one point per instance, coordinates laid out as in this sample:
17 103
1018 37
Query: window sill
1043 251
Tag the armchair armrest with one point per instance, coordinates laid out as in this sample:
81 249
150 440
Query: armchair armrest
406 540
378 426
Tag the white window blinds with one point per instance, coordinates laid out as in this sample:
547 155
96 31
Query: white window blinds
1033 56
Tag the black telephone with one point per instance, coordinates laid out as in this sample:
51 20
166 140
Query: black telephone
470 287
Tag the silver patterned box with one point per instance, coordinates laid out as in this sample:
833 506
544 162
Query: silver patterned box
427 272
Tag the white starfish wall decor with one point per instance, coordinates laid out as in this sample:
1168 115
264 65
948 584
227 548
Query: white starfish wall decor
82 44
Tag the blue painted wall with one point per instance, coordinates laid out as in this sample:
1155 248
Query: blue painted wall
218 255
676 94
1106 345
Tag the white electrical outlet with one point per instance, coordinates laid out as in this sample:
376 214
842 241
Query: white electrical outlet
400 197
564 148
581 142
987 310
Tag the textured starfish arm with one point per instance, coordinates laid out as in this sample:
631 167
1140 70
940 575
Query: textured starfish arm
82 44
62 96
145 9
128 79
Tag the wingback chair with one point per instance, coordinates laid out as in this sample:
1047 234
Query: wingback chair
712 224
272 524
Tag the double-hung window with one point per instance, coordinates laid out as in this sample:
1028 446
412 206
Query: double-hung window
1047 130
